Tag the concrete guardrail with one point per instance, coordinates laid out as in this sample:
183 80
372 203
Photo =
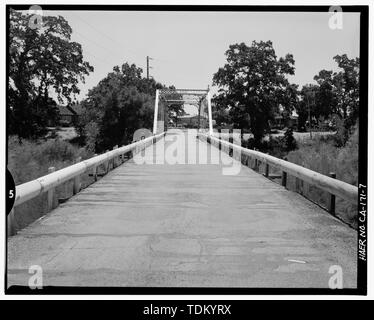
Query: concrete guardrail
49 182
335 187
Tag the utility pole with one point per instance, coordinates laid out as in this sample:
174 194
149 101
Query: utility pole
310 94
310 123
148 67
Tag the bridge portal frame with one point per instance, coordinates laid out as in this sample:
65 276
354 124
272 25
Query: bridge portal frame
202 93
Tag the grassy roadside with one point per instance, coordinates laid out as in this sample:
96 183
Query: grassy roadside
323 156
30 160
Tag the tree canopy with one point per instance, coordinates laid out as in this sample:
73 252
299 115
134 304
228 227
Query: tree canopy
253 87
253 83
335 93
119 105
44 65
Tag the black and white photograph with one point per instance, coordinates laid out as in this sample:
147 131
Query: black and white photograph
165 149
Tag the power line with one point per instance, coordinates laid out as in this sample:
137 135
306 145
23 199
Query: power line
165 60
102 33
91 54
94 42
99 45
114 40
102 59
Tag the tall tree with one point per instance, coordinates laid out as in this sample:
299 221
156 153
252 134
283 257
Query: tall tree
120 104
336 93
347 88
307 106
253 83
325 99
43 62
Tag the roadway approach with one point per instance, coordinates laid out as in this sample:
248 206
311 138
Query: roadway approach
185 225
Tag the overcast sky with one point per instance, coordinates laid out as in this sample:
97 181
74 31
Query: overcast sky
188 47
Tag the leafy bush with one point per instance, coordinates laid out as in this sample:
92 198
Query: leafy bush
119 105
289 142
276 146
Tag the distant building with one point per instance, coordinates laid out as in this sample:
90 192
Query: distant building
78 110
283 119
69 115
281 122
193 121
66 116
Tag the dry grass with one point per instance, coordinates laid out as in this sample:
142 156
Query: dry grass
322 156
31 160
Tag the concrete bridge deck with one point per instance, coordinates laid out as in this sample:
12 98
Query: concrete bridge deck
184 226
